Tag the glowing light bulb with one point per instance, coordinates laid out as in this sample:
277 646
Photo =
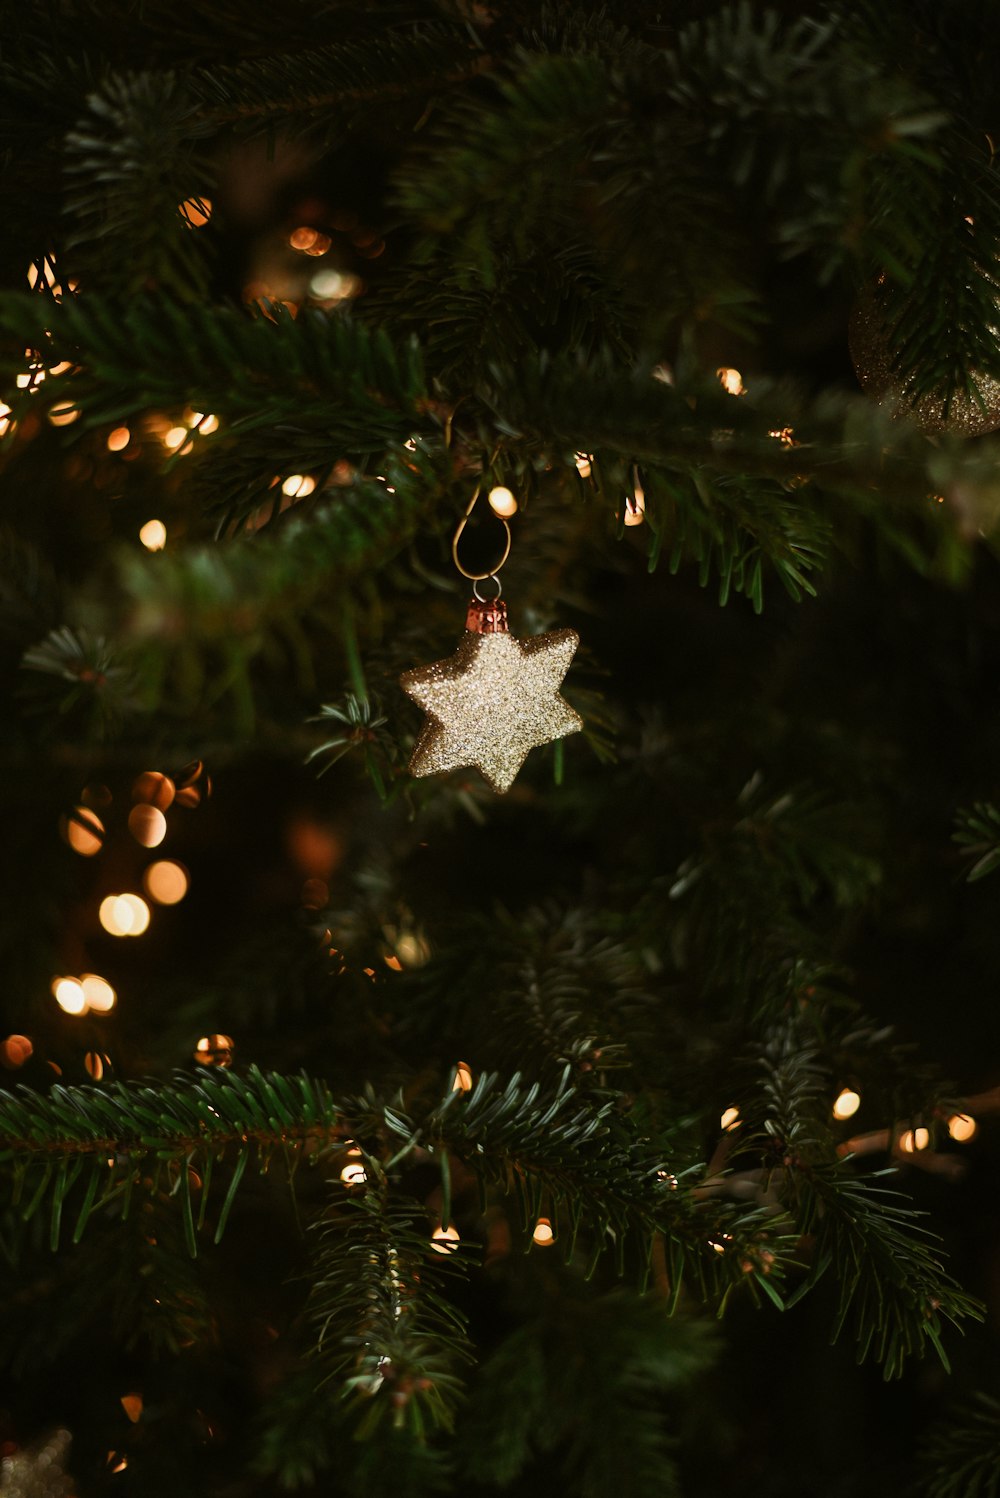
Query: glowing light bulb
298 485
195 212
208 425
69 995
303 239
635 507
847 1103
99 994
153 535
140 913
119 439
148 825
962 1126
154 789
15 1051
502 502
354 1174
84 831
583 464
175 437
463 1078
543 1234
64 415
166 882
914 1139
731 381
445 1240
730 1119
94 1062
214 1050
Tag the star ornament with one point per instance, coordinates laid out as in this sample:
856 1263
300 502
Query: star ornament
491 703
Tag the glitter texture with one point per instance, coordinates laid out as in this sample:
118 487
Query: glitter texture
873 366
491 703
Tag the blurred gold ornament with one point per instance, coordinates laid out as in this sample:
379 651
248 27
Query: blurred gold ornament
871 352
39 1470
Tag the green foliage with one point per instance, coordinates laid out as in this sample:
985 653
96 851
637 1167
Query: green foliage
558 1359
978 833
961 1457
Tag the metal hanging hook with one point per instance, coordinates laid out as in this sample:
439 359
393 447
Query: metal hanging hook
479 577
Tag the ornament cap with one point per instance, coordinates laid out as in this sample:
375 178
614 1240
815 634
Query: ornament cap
487 616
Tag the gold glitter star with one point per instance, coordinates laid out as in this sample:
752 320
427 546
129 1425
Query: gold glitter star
491 703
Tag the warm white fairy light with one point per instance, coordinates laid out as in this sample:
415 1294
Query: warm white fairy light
730 1119
298 485
962 1127
445 1240
99 994
502 502
69 995
153 535
847 1103
543 1234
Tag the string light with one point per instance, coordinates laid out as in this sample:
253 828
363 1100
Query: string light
153 535
730 1119
15 1051
195 212
962 1127
95 1064
64 415
99 994
445 1240
118 440
214 1050
847 1104
84 831
175 437
354 1173
583 464
132 1405
913 1140
303 239
69 995
166 882
635 506
124 915
147 825
6 424
463 1078
502 502
543 1234
298 485
731 381
154 789
334 286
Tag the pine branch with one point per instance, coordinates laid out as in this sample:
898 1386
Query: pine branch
331 89
130 165
259 371
383 1330
961 1457
978 832
580 1366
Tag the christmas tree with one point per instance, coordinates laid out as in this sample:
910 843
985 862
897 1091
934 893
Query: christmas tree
451 1055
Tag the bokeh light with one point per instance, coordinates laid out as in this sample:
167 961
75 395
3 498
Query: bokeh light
502 502
84 831
15 1051
69 995
847 1103
962 1127
166 882
153 535
214 1050
154 789
147 825
99 994
445 1240
543 1234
